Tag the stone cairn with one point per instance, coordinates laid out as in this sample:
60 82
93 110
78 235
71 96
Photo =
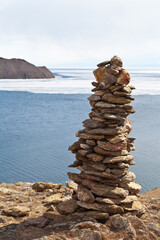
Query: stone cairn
105 184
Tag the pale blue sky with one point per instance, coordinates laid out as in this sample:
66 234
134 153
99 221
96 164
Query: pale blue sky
81 32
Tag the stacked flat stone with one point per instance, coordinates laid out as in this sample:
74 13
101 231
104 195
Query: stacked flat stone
102 152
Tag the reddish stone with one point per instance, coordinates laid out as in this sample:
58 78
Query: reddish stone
124 77
112 147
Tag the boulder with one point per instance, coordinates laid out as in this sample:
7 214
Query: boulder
69 206
18 211
84 195
122 223
116 63
72 185
56 198
124 77
102 75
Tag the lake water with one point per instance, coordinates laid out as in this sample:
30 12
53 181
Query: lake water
39 119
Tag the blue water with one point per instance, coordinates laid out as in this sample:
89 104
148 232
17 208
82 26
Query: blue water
36 130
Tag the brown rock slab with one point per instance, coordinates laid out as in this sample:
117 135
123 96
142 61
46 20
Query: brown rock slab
116 139
132 187
75 164
95 157
123 165
112 201
84 152
91 142
110 98
93 124
116 62
41 187
118 159
68 206
118 172
55 198
114 88
75 146
102 76
126 89
103 131
94 98
96 215
55 216
100 174
104 190
122 94
72 185
95 84
132 87
17 211
89 136
122 223
102 104
75 177
111 209
112 147
129 177
84 195
109 153
89 177
137 207
104 63
100 92
39 222
113 117
85 146
98 166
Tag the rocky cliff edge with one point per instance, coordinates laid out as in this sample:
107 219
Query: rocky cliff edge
29 211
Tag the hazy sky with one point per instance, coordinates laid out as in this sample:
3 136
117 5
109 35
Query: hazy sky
81 32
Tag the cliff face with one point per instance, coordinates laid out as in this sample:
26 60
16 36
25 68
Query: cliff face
21 69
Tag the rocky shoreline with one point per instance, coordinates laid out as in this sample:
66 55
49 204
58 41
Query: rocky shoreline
29 211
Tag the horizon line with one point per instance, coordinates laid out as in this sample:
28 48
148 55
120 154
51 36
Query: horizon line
80 67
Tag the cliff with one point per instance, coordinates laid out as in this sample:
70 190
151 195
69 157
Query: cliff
21 69
29 211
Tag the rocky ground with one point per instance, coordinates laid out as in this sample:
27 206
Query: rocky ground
29 211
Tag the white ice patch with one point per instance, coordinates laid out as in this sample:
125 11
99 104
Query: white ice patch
78 81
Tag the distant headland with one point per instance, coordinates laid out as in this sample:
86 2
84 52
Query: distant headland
20 69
